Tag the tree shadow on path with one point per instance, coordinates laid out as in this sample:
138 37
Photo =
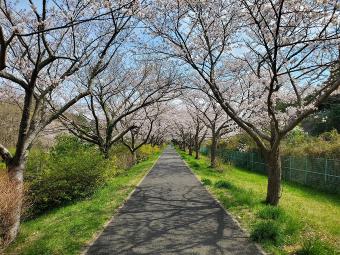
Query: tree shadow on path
172 213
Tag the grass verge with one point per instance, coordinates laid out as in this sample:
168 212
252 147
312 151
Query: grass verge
68 229
306 222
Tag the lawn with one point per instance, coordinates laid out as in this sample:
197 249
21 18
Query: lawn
306 222
68 229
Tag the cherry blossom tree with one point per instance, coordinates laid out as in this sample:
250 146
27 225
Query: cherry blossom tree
196 128
119 91
42 49
143 121
200 133
278 58
161 131
181 127
187 130
212 116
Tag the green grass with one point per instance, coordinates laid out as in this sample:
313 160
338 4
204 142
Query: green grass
267 232
68 229
206 181
315 247
303 215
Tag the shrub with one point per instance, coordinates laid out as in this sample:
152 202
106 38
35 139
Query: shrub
331 136
296 136
267 231
72 170
240 141
195 164
206 181
315 247
297 143
146 151
122 153
222 184
271 213
221 166
325 145
9 198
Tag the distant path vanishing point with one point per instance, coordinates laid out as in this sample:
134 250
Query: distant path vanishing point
170 212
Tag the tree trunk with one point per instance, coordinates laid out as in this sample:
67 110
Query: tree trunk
15 173
197 149
106 154
190 149
105 151
134 156
213 151
274 177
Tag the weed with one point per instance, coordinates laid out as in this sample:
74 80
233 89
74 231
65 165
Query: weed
195 164
289 225
271 213
244 197
315 247
222 184
267 231
206 181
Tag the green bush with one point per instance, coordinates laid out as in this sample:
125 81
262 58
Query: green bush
297 143
315 247
195 164
241 141
121 152
222 184
267 231
2 166
221 166
146 151
71 170
296 136
206 181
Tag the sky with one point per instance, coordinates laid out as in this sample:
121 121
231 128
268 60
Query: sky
25 3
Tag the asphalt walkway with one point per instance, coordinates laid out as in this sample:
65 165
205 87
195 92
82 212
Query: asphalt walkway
170 212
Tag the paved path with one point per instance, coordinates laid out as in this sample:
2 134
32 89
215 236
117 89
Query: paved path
172 213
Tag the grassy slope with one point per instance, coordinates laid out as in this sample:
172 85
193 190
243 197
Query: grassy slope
67 229
312 213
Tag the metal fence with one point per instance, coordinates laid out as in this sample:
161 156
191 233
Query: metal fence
321 173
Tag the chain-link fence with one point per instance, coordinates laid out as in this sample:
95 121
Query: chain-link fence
321 173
